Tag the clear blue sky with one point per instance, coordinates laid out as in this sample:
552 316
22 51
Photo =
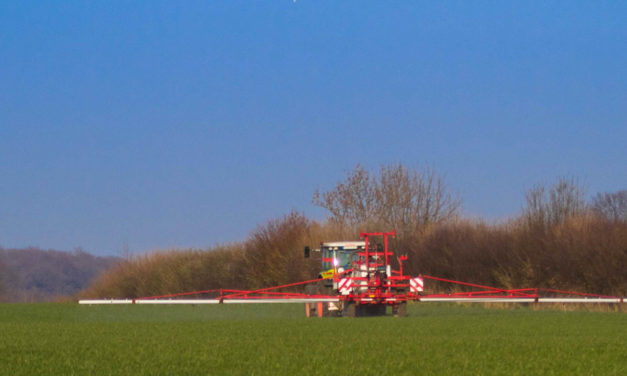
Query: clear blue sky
172 124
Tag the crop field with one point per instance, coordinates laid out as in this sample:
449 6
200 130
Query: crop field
44 339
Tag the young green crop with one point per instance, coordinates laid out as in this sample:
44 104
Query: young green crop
278 340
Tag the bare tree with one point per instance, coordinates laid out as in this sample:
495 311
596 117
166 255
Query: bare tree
613 206
350 202
563 200
397 197
407 198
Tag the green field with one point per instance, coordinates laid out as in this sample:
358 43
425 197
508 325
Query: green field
276 339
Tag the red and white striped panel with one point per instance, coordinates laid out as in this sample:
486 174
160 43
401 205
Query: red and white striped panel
344 286
416 284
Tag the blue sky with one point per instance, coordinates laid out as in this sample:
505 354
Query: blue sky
186 124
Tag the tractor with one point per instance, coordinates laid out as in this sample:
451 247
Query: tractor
360 275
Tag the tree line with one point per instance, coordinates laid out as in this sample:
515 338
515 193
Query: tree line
36 275
559 240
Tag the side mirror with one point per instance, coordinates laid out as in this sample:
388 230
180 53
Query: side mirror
306 252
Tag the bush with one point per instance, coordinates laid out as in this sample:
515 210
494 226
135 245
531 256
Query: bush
555 243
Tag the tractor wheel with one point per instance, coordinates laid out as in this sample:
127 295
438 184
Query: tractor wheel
381 310
349 309
401 310
373 310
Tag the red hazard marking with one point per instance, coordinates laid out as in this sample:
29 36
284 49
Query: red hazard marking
345 283
416 284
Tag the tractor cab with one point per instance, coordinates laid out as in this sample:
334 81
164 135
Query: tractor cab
338 257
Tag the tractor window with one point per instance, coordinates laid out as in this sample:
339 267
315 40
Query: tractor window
326 255
344 259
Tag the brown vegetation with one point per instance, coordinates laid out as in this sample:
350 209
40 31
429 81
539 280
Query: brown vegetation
612 206
586 253
557 242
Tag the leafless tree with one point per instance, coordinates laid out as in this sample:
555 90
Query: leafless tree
611 205
352 201
397 197
552 206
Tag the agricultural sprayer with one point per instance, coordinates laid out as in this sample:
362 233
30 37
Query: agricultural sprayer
357 279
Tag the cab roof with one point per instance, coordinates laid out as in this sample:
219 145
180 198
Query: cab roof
346 245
